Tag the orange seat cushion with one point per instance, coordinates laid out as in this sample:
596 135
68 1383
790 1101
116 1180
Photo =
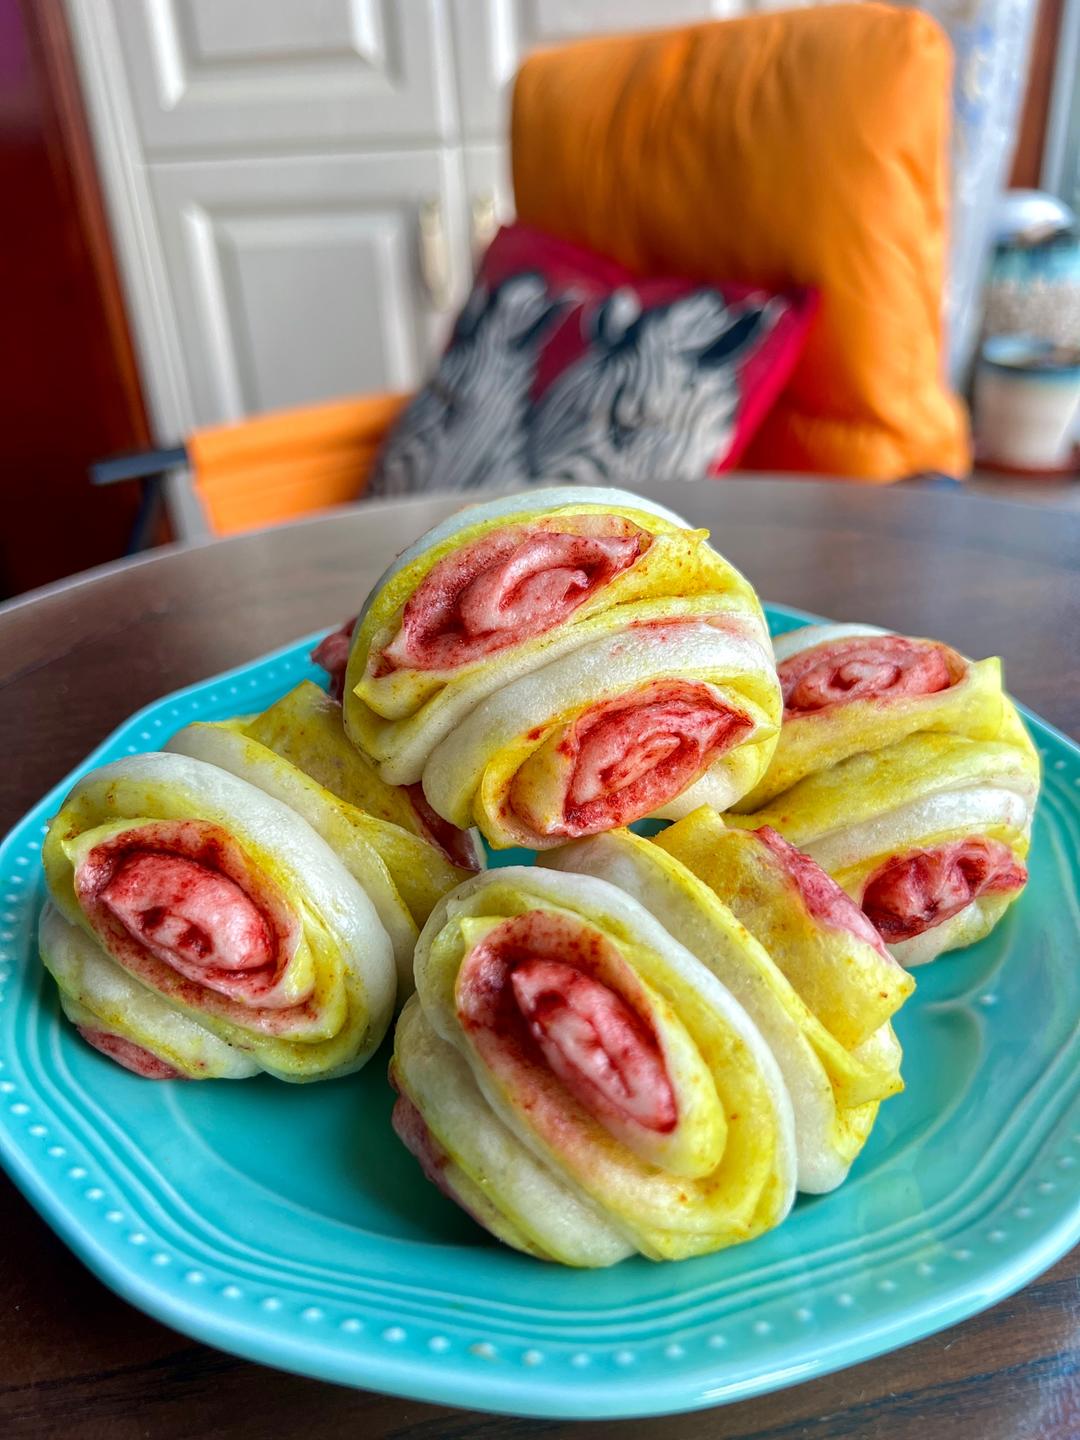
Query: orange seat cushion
272 468
807 147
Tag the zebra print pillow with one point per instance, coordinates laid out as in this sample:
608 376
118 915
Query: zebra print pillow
564 366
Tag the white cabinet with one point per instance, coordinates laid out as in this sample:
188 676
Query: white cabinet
297 187
215 76
490 191
295 280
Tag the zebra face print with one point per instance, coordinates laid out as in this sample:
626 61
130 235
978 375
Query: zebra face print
550 378
655 394
453 435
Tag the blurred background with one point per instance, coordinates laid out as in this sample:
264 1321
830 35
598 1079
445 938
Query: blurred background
221 209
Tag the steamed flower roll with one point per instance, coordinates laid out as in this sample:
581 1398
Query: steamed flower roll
572 1076
906 772
199 927
561 662
297 752
798 955
305 727
929 836
850 688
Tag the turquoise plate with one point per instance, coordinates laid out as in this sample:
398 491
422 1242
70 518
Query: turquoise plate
287 1224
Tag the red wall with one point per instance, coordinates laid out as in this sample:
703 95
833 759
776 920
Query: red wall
69 392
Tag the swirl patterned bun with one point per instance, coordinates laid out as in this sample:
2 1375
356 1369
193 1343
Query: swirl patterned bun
800 957
562 662
200 927
573 1077
297 752
906 772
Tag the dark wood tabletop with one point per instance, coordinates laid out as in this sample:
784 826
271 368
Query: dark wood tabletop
987 576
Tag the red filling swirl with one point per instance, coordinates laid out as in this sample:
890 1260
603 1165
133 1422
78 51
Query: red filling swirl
332 655
178 904
914 892
866 667
822 896
190 916
135 1058
625 757
459 846
532 999
509 585
413 1132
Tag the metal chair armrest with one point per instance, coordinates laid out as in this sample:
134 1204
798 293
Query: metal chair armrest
149 468
141 465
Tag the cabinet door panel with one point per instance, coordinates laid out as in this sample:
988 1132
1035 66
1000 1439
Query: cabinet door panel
296 280
217 76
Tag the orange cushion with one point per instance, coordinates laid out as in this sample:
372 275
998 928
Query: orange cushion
806 146
274 467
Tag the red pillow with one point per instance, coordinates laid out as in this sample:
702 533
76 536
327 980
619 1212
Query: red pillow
564 365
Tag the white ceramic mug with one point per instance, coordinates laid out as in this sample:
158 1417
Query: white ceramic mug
1027 401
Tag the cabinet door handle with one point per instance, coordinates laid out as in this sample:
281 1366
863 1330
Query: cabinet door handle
435 255
485 222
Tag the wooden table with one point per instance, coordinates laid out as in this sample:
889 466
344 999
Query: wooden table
989 577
